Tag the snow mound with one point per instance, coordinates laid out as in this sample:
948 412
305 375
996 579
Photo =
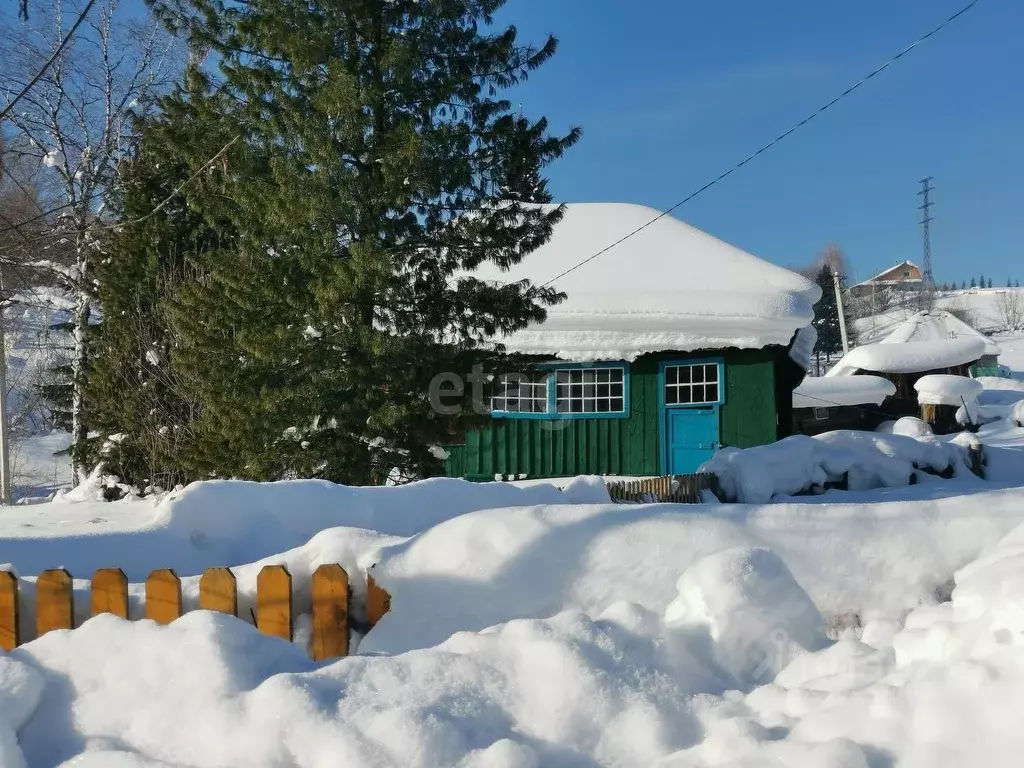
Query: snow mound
707 294
1017 414
941 389
799 463
758 617
911 426
911 357
823 392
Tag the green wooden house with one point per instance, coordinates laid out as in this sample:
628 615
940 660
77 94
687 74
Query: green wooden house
668 347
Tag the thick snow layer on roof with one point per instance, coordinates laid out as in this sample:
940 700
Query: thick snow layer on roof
937 326
911 357
668 287
823 392
939 389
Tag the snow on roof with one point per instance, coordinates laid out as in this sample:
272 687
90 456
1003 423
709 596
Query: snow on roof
937 325
668 287
890 269
823 392
941 389
909 357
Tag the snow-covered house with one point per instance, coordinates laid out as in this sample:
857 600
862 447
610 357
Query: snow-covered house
936 325
669 346
905 276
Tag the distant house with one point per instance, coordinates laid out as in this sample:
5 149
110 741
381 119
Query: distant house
903 277
669 346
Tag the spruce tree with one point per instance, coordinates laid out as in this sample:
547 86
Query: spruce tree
974 283
990 282
826 315
377 163
963 285
142 411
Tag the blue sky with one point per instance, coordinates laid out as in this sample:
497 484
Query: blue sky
671 93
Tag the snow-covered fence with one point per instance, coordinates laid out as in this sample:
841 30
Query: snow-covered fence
679 489
273 615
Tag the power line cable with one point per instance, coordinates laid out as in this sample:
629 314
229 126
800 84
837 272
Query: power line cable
771 143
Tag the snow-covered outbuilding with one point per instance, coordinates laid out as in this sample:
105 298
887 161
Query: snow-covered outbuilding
822 404
938 325
669 345
905 362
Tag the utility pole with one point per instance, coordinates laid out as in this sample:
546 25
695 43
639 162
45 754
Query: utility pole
926 220
839 306
5 457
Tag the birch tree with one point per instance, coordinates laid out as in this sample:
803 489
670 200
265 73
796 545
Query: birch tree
75 125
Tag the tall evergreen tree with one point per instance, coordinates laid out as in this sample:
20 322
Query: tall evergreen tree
826 316
974 283
990 282
377 164
143 412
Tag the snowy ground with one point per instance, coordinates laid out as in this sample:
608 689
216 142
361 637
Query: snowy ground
536 626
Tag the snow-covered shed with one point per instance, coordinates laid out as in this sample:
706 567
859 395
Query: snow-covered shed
822 404
669 345
938 325
905 362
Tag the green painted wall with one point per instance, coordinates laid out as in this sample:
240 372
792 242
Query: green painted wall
627 446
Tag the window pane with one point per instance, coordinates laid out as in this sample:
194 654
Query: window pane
671 395
602 406
617 405
576 376
617 374
697 371
616 390
671 375
711 372
684 395
563 377
603 374
684 374
711 393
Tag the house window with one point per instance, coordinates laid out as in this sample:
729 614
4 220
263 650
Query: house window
820 414
906 274
695 384
517 393
590 390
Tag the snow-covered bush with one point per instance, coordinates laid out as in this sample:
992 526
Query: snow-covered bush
799 464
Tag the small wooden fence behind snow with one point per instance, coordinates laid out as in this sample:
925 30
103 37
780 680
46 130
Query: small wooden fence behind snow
218 591
679 489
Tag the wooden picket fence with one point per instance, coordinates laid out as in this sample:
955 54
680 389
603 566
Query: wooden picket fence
679 489
218 591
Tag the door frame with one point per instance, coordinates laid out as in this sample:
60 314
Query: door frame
664 408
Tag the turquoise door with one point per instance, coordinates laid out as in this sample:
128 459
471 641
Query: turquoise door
692 436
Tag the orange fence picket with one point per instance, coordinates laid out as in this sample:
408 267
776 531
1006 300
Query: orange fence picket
110 592
54 601
274 602
9 616
330 612
218 591
163 596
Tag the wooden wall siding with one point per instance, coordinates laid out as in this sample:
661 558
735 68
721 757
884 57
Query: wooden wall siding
626 446
330 588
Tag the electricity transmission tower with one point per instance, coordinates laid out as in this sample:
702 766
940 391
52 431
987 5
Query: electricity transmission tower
926 220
